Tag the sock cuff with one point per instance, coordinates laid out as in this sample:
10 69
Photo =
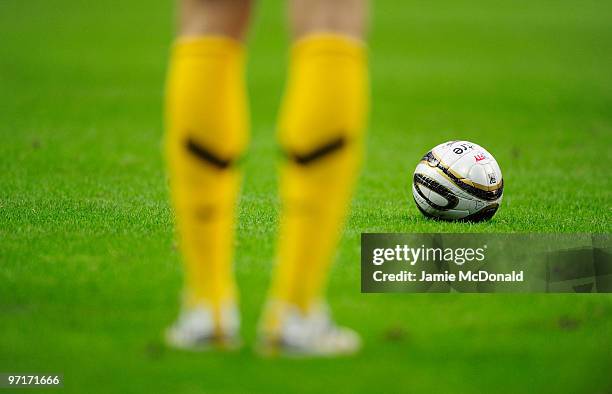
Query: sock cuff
208 46
329 43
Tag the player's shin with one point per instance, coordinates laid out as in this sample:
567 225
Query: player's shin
206 133
321 127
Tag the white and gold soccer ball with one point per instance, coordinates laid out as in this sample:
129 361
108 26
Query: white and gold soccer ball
458 180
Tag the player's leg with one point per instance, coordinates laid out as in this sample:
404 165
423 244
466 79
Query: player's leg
321 125
206 118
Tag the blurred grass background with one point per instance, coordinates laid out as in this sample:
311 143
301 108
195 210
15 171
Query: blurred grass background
89 273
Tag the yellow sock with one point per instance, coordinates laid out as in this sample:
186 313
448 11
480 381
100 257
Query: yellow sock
206 115
321 127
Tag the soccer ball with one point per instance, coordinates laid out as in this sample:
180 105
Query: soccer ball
458 180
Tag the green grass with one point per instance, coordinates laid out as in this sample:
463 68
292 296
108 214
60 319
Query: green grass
89 274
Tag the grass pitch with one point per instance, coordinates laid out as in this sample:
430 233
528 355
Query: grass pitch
89 274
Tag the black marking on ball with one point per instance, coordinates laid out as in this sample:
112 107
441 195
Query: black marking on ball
452 200
482 215
487 195
424 212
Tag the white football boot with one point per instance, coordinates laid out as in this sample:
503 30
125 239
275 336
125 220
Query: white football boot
197 329
306 335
